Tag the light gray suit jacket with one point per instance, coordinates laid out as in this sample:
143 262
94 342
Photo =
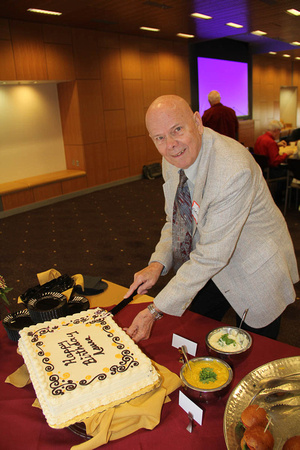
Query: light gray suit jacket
240 239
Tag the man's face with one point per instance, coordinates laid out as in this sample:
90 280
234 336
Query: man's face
276 134
176 133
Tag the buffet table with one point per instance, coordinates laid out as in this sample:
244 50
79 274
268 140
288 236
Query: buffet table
24 427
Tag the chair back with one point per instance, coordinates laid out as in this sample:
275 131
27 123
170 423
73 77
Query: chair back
261 160
294 167
294 136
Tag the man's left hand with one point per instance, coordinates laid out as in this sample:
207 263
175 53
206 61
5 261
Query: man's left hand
141 326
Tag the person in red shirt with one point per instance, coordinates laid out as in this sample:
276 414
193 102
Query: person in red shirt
266 145
220 118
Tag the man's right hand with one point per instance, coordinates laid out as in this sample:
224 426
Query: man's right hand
145 279
282 143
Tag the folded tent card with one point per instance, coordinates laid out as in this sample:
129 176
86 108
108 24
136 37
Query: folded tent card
179 341
190 408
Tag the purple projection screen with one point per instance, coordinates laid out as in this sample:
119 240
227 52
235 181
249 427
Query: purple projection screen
230 78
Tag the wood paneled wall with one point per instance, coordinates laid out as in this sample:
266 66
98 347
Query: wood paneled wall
268 75
109 80
246 132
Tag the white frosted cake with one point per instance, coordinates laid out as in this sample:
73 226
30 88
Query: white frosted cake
82 364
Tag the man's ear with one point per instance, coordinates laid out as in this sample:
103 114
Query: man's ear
198 122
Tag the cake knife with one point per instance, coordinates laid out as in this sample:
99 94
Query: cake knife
123 303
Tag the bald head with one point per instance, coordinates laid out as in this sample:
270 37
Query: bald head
214 97
168 104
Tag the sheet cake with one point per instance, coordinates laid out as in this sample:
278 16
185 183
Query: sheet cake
82 364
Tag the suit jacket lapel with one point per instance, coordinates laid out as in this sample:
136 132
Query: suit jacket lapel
199 188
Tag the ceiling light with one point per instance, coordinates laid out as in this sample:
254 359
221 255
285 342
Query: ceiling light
149 29
295 12
286 55
183 35
234 25
258 33
44 11
272 53
297 57
295 43
201 16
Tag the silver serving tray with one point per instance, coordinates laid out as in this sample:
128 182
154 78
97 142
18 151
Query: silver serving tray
285 420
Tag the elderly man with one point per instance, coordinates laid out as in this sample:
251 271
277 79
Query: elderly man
230 245
219 117
266 145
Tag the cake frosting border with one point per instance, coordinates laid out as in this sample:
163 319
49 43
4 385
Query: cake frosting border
101 409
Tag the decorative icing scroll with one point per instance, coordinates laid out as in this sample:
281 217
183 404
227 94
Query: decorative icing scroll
99 377
98 317
116 340
106 328
59 389
40 332
127 361
39 344
49 367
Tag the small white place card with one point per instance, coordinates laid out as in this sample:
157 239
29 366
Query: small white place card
179 341
190 407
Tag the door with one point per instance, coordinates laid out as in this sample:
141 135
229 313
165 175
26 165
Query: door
288 105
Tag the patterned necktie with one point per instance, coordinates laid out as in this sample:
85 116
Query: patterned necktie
182 223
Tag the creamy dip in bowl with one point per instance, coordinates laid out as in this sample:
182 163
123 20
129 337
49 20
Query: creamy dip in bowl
228 343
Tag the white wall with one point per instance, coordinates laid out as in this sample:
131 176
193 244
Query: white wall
288 104
31 141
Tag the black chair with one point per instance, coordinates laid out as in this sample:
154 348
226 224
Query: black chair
293 136
262 161
293 181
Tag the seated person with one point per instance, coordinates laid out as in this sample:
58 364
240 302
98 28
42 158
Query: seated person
266 145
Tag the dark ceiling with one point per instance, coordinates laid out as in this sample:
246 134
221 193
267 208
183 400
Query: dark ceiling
174 16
